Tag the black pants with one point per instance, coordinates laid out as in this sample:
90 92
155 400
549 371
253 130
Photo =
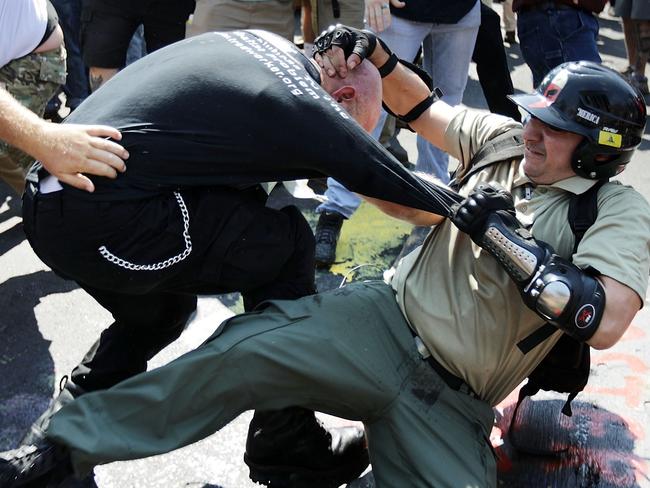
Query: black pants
146 260
492 65
108 25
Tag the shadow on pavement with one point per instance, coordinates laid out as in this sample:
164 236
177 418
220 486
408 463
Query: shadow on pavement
597 447
26 365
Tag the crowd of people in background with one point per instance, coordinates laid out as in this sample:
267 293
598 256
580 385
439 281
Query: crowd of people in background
101 37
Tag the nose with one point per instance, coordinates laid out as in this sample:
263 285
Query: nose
532 129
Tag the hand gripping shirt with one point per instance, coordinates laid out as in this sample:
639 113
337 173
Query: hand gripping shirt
236 109
461 302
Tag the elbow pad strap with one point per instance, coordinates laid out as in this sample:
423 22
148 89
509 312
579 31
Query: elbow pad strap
551 286
388 67
419 109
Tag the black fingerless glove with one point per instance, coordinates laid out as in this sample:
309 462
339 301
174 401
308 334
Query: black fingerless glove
470 215
351 40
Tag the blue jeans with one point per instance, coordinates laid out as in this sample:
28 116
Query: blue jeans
447 52
553 36
76 85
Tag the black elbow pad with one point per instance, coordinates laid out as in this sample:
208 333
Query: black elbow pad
567 297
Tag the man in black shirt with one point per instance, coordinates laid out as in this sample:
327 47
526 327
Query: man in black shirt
205 121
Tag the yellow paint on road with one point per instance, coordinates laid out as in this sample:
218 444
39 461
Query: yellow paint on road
365 239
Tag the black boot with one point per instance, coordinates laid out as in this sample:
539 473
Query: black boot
327 233
45 464
290 448
68 392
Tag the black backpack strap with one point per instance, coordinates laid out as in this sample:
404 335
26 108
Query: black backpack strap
505 146
583 212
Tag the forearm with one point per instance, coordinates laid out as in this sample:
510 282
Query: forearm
19 126
411 215
622 306
403 89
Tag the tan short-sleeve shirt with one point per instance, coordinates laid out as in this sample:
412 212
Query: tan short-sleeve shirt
461 302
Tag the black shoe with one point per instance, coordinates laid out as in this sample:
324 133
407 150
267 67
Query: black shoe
510 37
306 454
328 230
68 392
36 466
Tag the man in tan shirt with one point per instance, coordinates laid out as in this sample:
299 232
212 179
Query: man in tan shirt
420 361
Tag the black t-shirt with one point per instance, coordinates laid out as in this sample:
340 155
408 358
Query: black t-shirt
437 11
235 109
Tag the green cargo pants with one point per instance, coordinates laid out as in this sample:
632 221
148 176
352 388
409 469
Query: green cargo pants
32 80
347 352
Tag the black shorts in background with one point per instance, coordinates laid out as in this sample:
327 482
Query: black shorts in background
108 25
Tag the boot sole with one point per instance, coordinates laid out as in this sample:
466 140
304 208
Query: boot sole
299 477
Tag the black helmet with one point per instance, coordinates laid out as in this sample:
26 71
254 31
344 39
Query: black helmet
596 102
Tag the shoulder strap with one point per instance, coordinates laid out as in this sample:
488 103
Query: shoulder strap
505 146
583 212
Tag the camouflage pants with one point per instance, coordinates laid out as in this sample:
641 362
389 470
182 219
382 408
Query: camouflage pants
32 80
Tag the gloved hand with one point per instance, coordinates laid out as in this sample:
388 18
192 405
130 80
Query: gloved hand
470 215
351 40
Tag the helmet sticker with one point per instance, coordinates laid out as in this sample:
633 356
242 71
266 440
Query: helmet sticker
552 89
585 315
584 114
609 139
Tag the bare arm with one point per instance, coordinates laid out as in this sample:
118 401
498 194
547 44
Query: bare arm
66 150
622 304
408 214
411 215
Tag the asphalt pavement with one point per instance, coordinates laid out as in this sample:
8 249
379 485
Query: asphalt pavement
46 324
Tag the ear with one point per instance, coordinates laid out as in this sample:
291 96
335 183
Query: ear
344 93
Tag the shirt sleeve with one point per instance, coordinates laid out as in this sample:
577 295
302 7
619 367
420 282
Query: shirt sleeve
618 243
470 129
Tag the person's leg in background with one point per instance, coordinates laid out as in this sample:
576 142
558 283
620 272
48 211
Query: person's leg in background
636 28
582 44
549 37
76 86
492 65
447 52
137 46
509 22
165 22
223 15
106 31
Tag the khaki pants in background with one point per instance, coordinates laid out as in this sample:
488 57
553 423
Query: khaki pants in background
322 14
223 15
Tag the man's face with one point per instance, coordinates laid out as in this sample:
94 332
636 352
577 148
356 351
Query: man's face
547 152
